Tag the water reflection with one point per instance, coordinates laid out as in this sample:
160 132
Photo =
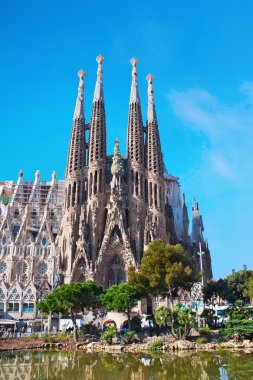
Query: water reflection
78 366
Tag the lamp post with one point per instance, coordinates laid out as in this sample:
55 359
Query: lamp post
200 253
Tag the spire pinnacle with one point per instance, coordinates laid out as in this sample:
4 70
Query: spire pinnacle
37 177
99 91
151 102
20 177
134 96
195 206
79 110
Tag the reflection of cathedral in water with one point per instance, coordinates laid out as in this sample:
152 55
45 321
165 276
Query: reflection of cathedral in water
93 366
98 221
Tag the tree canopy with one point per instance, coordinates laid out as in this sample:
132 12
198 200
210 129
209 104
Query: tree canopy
236 286
164 270
72 298
121 298
215 290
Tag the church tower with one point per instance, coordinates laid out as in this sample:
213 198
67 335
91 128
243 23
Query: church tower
155 218
136 167
75 180
97 166
198 243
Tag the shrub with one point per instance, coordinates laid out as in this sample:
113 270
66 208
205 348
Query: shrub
240 327
155 345
89 328
204 330
136 323
109 334
49 338
239 324
34 336
202 340
131 337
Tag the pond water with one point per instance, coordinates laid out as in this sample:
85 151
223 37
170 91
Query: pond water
82 366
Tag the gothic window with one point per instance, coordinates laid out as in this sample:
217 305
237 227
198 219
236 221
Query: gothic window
13 306
132 184
69 193
73 194
90 185
146 191
28 307
95 182
136 184
14 295
42 268
100 181
43 241
3 267
116 273
155 195
2 295
4 240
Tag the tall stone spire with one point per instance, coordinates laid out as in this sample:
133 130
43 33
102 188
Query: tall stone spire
136 166
97 165
97 143
185 223
18 193
135 135
75 187
197 223
155 218
154 153
77 146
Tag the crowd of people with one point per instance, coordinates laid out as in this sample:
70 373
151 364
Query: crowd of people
15 330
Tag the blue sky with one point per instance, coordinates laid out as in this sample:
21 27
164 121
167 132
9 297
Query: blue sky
200 53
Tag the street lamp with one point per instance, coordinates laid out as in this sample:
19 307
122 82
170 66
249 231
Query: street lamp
200 253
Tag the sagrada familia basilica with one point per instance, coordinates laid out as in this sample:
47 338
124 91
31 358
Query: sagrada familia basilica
98 221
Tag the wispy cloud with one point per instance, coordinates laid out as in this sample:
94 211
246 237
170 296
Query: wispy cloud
228 128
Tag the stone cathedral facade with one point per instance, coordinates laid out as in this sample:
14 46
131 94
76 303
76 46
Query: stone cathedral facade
98 221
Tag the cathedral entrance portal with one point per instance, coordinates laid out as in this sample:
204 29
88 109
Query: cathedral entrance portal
116 273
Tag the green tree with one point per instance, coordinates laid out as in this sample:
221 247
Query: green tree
238 286
110 333
121 298
163 271
250 289
239 323
179 321
215 290
72 298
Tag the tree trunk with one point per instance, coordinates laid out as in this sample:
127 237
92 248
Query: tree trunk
74 326
129 318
